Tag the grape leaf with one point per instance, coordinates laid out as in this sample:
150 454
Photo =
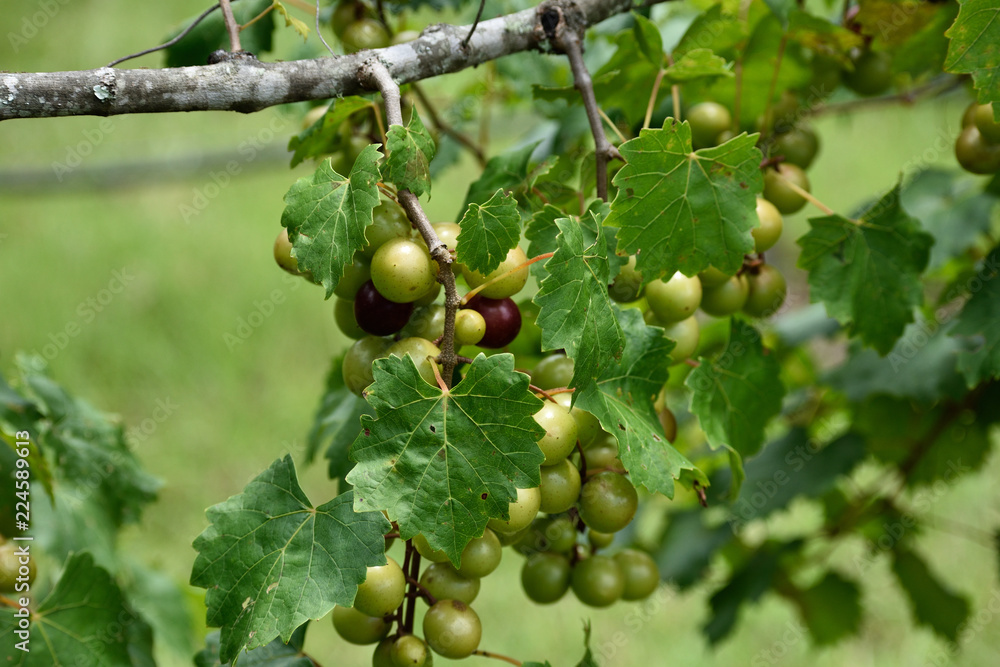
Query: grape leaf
271 561
735 395
686 210
337 420
443 463
867 271
489 230
508 171
542 232
411 150
625 80
575 310
831 608
934 605
622 399
211 34
292 22
687 547
697 64
978 321
324 136
975 48
83 621
924 52
894 22
275 654
326 215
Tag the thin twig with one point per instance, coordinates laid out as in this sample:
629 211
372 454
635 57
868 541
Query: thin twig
442 126
320 33
611 124
424 593
933 88
652 100
497 656
471 293
166 45
232 27
375 74
768 108
380 11
604 151
539 390
264 13
805 194
475 24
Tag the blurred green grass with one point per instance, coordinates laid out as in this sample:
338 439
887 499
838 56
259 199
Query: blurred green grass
238 407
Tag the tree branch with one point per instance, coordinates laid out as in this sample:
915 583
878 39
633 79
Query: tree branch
376 75
247 85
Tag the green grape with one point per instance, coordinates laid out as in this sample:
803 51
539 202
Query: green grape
357 367
771 225
627 285
382 657
504 287
552 372
511 539
872 73
358 628
969 116
545 577
382 591
448 233
470 327
712 277
798 146
599 540
452 629
707 121
426 322
560 487
364 34
675 299
10 569
727 298
283 254
356 274
767 292
560 432
404 37
724 136
988 128
343 315
598 581
444 583
602 453
389 221
976 155
778 192
402 271
559 534
686 334
481 556
608 502
346 13
424 549
422 352
432 294
522 512
668 421
588 426
410 651
641 574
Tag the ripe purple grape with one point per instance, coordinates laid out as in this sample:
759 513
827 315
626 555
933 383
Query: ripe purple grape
503 320
376 314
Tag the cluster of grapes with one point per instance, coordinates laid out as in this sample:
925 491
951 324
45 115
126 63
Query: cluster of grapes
978 146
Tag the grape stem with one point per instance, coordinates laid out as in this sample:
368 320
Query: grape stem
805 194
489 282
232 27
421 590
374 73
497 656
539 390
568 41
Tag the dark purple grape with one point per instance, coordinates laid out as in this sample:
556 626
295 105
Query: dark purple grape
376 314
503 320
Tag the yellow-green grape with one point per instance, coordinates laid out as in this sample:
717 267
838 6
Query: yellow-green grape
686 334
778 191
988 128
481 556
555 370
283 254
448 233
425 550
426 322
560 432
599 540
798 146
357 368
346 13
771 224
357 627
602 453
382 657
588 426
712 277
767 292
343 315
608 502
470 327
707 121
356 274
545 577
389 221
522 512
560 487
13 571
727 298
402 271
641 574
504 287
364 34
382 591
431 295
410 651
969 116
452 629
627 285
404 37
598 581
444 583
421 351
675 299
668 421
975 154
